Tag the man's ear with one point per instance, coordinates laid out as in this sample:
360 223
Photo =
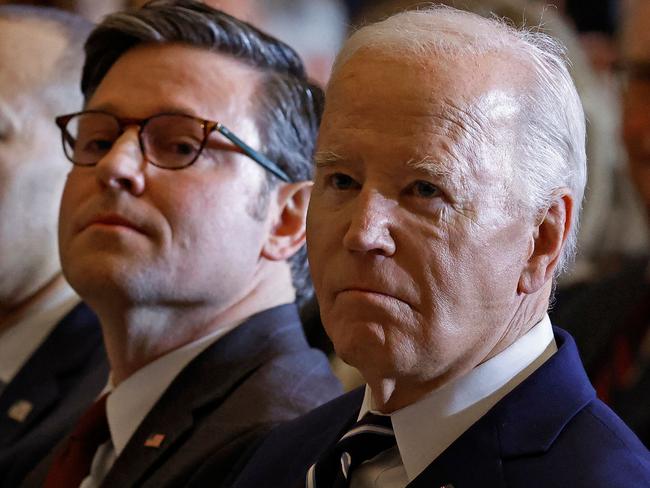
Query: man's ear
287 231
546 242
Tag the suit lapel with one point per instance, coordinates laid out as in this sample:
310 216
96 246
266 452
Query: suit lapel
526 422
202 386
36 387
328 433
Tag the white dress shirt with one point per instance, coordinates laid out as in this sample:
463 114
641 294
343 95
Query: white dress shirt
426 428
129 403
20 340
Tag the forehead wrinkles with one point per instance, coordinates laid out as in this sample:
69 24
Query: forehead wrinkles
466 125
480 131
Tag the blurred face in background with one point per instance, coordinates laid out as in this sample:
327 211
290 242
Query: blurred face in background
32 165
636 101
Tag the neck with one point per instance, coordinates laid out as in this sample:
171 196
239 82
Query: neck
137 334
11 314
392 393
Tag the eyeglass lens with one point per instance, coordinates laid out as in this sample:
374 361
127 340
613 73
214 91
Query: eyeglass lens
170 141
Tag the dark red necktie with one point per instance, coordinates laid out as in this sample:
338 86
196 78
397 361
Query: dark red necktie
72 464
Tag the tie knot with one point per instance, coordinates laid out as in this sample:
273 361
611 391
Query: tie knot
371 429
375 419
366 439
92 426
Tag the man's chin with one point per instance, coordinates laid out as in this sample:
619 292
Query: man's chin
117 280
363 352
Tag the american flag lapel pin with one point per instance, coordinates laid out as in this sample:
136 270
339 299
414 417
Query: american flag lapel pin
154 440
20 410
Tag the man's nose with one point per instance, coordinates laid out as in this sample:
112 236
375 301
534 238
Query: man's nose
123 167
370 222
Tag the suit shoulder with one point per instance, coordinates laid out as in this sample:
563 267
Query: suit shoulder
594 450
286 386
612 441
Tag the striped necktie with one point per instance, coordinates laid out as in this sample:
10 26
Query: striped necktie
367 438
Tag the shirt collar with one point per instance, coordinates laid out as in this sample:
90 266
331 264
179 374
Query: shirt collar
439 418
129 403
19 341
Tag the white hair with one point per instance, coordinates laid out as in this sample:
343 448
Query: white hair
551 146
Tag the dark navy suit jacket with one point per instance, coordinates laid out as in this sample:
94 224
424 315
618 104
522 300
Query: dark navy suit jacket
550 431
60 380
226 399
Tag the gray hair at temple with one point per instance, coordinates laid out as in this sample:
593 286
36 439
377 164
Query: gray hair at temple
289 108
59 89
551 152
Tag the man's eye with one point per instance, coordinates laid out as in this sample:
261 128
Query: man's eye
424 189
96 146
184 149
342 181
179 146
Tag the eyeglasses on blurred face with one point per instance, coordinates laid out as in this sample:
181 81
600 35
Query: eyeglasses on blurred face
167 140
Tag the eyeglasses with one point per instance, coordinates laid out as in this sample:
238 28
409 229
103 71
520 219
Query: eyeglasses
167 140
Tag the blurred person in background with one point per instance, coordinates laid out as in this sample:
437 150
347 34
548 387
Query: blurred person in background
52 359
182 225
611 319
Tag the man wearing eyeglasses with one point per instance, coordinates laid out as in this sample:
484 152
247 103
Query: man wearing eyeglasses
181 222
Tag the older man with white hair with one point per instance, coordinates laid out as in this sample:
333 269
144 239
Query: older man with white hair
450 173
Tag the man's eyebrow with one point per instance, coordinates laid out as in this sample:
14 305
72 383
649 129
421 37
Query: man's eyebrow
430 166
163 109
326 158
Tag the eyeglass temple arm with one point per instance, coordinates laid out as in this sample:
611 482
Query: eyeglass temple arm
253 154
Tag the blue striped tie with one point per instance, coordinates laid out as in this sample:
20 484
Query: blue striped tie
367 438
